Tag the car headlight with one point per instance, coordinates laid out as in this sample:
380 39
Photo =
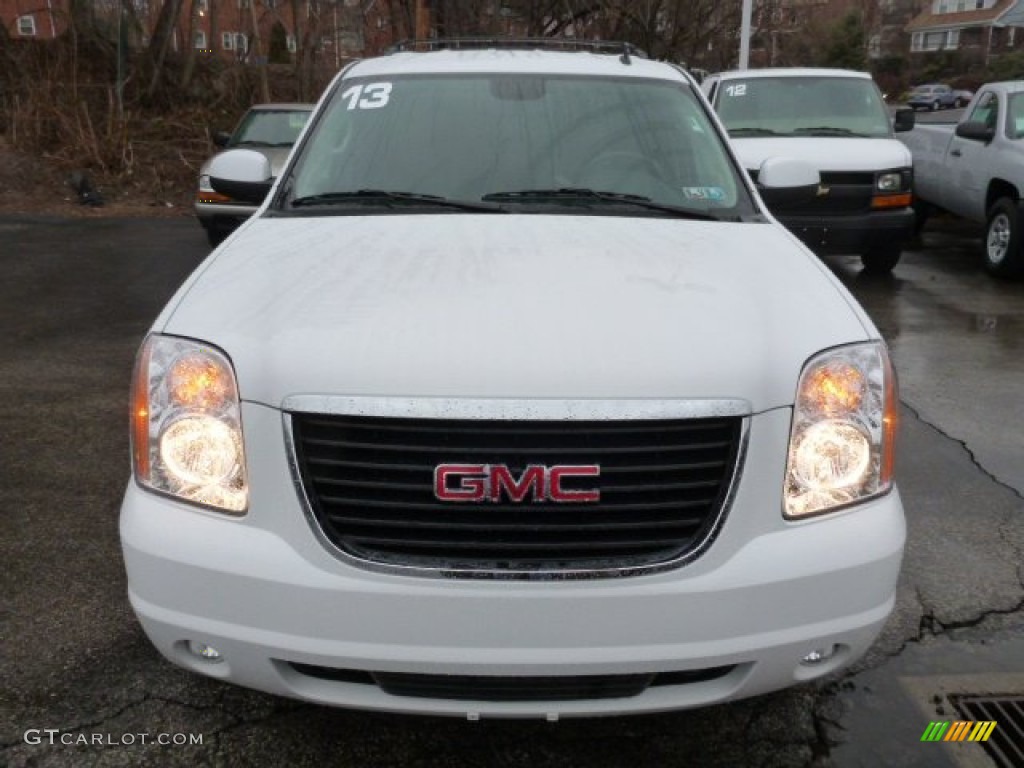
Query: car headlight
187 424
889 182
844 427
893 189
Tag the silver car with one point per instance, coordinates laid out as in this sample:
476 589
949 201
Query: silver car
270 129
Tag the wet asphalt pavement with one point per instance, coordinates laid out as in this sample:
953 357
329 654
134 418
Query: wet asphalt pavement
77 297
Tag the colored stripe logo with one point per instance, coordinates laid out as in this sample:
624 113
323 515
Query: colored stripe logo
961 730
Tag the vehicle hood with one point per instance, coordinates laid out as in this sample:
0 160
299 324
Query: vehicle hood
515 306
276 156
825 153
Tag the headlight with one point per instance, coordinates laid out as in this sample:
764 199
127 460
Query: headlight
890 182
844 428
186 424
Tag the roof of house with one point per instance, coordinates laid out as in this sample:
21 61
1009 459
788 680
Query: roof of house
957 19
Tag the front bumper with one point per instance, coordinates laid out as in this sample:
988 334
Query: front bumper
267 595
224 215
860 233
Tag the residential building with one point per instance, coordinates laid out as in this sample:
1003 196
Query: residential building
247 30
978 29
33 19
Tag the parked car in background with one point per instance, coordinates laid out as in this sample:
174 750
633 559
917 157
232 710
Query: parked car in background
836 120
975 169
270 129
937 96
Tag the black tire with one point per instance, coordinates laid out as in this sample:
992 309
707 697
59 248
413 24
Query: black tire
935 105
922 212
881 260
957 103
1002 245
217 234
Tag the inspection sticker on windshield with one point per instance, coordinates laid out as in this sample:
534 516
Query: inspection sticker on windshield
708 194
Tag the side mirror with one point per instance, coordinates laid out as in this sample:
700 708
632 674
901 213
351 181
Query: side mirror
221 139
242 174
976 131
904 120
784 182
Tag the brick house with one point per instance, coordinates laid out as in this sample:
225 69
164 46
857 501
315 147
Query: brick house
33 19
235 29
978 29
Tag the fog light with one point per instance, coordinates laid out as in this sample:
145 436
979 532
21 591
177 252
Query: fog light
819 655
203 651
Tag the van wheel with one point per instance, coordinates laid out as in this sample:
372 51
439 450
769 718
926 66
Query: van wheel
922 211
935 106
1003 239
881 260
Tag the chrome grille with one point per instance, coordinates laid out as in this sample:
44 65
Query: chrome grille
369 483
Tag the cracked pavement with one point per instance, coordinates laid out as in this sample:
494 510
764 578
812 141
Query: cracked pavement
76 300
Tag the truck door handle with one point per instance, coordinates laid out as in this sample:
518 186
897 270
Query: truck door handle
955 153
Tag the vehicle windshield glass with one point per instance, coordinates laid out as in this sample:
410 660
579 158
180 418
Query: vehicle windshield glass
526 143
270 127
801 106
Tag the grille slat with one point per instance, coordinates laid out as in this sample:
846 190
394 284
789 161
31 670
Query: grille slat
606 469
370 485
457 526
523 548
428 487
495 509
534 450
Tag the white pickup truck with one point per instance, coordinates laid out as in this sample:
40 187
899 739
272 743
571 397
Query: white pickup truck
975 169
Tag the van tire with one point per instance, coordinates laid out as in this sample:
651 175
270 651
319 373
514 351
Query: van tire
1002 245
881 260
922 212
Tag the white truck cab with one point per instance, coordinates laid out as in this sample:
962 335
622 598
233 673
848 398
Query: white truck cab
511 400
836 120
975 169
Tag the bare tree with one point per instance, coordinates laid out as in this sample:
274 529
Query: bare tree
160 43
257 50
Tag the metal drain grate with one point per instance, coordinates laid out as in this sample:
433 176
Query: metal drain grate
1006 744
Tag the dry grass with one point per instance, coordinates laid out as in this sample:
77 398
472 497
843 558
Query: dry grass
58 117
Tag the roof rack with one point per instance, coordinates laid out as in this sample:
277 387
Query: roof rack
528 43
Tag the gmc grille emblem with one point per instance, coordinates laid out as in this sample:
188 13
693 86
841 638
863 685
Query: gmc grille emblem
496 483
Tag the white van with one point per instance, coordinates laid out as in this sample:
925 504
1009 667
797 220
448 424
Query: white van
836 120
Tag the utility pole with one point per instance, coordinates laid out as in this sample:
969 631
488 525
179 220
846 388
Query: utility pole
748 7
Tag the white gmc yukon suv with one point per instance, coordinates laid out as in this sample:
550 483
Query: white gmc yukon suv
512 400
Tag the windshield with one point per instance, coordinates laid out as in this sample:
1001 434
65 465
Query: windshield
802 106
270 127
521 143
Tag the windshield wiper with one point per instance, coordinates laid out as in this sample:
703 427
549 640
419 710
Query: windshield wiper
751 131
577 194
361 196
828 130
